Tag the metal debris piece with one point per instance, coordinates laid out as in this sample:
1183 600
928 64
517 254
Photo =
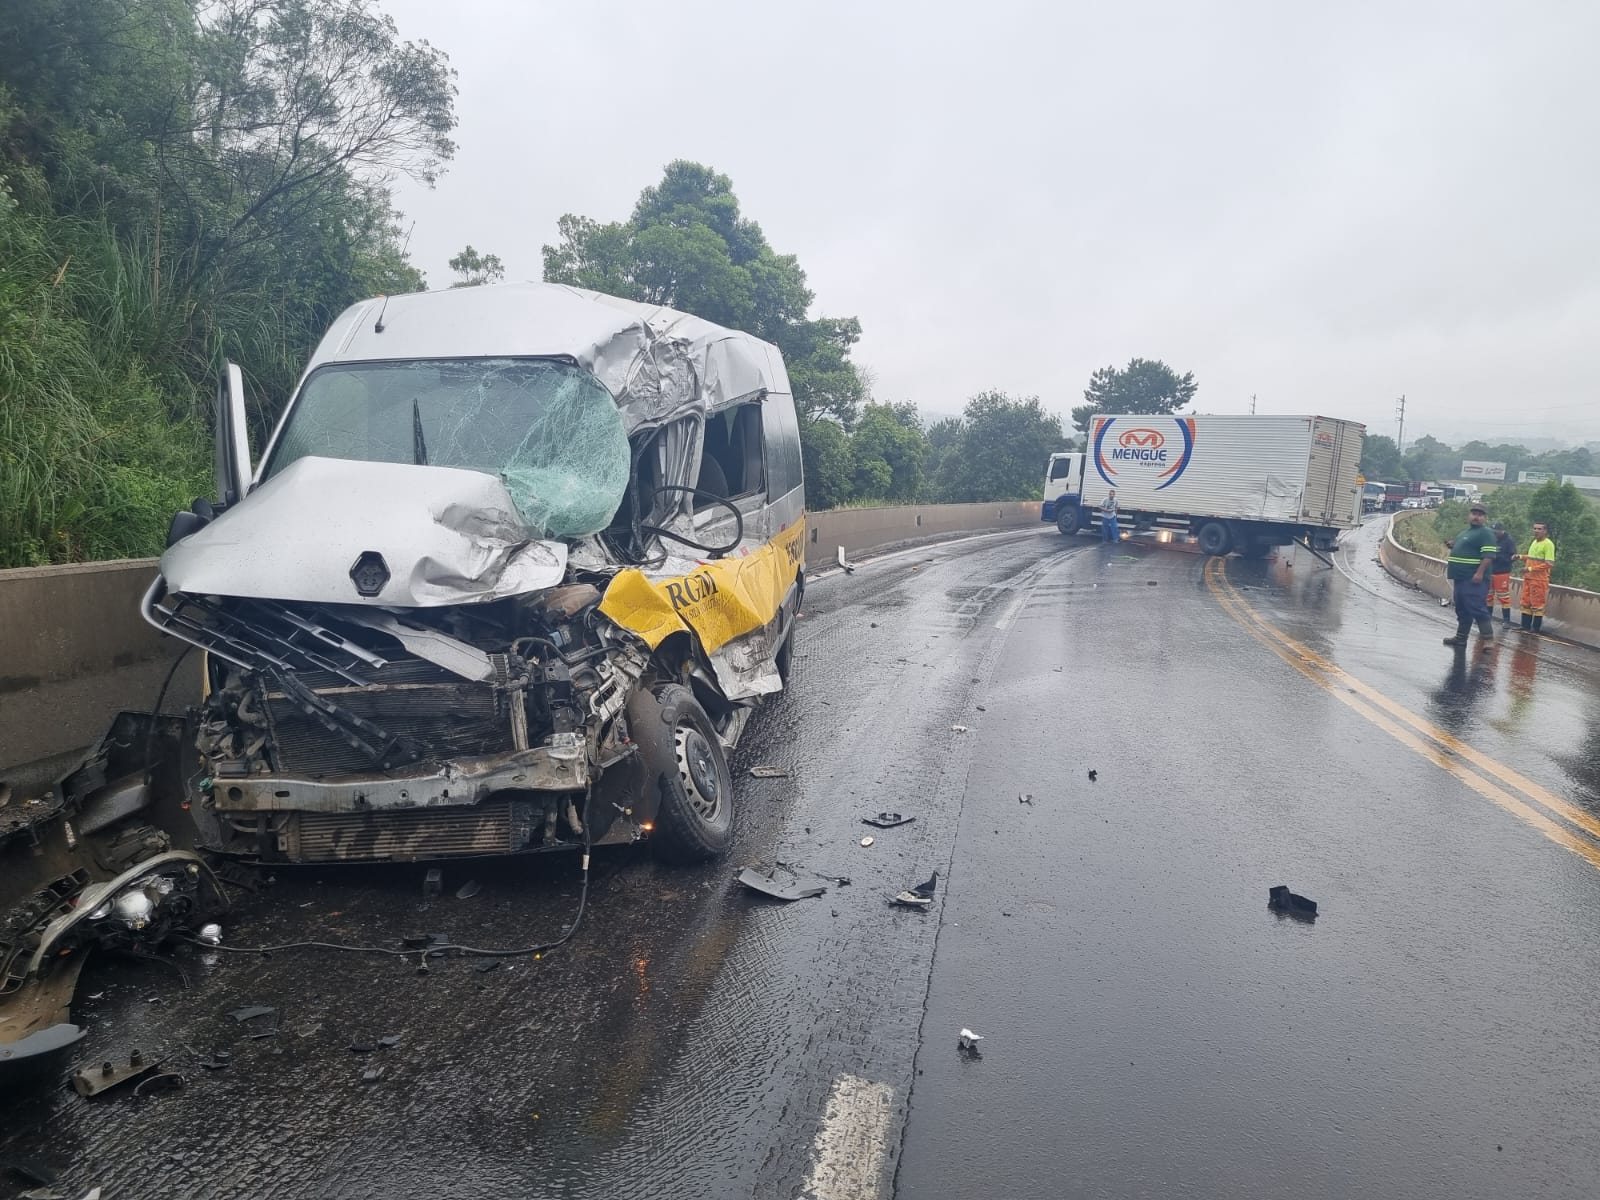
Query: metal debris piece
211 934
849 568
166 1081
251 1012
432 883
91 1081
887 820
867 841
768 885
967 1041
768 773
1281 900
468 890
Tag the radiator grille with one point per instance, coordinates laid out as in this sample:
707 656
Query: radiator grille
418 833
452 717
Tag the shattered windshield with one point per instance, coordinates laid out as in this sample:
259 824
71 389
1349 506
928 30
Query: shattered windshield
548 429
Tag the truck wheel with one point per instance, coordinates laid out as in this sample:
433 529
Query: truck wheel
1068 519
686 766
1215 540
785 656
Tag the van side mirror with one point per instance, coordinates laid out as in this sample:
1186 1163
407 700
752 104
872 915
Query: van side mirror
231 457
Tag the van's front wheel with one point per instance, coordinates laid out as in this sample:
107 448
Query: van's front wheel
686 764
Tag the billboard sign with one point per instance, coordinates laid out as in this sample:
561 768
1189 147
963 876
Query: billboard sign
1584 483
1534 476
1482 470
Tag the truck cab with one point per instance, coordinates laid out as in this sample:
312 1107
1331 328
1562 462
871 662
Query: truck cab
1063 486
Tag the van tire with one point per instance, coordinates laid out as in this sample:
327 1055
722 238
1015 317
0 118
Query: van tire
686 766
1215 539
1068 518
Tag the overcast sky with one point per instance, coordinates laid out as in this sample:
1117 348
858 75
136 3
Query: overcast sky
1326 206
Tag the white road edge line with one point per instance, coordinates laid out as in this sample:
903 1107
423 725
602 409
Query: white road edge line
848 1154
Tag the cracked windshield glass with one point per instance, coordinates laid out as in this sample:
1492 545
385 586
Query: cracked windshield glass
549 429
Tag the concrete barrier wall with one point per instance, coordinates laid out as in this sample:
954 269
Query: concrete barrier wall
74 650
1570 612
862 529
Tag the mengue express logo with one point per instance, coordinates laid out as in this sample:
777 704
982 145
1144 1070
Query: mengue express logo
1142 451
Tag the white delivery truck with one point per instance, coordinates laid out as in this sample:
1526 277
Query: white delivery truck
1236 483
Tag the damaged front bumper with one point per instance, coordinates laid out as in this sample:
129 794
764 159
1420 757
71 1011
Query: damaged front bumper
496 804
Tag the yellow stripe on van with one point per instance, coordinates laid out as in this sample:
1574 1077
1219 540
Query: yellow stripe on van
719 600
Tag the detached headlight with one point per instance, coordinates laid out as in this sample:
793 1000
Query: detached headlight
134 908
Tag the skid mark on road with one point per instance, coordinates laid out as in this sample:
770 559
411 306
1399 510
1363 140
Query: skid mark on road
1481 773
852 1143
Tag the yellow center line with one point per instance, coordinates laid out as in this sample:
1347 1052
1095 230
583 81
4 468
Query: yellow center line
1355 695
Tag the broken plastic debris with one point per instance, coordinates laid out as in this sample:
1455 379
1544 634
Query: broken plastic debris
1025 798
768 773
958 729
1280 899
432 883
389 1042
211 934
768 885
252 1012
1093 775
867 841
920 896
849 568
362 1047
372 1075
887 820
468 890
1444 602
968 1041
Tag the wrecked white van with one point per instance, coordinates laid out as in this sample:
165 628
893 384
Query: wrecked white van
514 568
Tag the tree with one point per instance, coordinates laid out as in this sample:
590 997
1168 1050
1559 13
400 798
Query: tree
829 465
1380 458
476 269
1001 450
687 246
1574 527
1429 458
1143 386
887 448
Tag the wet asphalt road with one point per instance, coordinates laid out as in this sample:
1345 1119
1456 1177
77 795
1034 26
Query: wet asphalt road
1150 1028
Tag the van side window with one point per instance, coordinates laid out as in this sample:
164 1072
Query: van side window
1061 468
781 434
731 463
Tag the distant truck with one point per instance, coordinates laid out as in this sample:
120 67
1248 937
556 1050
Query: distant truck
1236 483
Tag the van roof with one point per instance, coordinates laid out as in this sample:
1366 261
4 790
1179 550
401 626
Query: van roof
659 363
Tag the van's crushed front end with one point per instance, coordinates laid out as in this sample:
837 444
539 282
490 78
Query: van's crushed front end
446 617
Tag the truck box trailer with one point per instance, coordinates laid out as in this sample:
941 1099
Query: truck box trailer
1237 483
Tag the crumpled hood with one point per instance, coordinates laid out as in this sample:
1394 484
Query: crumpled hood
447 536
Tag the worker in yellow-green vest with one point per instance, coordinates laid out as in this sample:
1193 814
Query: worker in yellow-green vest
1538 563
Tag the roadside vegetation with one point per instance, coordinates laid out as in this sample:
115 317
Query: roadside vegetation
1428 458
1573 518
184 182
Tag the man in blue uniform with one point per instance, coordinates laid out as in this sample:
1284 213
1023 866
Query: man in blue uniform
1471 555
